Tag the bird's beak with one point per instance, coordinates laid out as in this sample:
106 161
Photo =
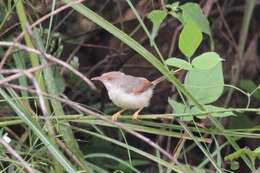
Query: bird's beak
97 78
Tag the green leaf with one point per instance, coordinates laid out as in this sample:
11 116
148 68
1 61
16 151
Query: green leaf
211 108
250 86
175 10
257 150
192 12
190 39
247 122
180 63
74 62
205 85
156 17
206 60
174 6
59 81
179 108
234 165
237 154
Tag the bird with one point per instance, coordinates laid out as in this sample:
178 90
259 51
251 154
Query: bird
128 92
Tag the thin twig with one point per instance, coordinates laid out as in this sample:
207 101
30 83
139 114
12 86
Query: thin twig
9 50
21 73
50 58
43 107
221 13
69 152
173 42
208 6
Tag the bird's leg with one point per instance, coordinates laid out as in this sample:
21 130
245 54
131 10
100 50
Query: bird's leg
135 115
116 115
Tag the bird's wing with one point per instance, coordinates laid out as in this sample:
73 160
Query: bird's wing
137 85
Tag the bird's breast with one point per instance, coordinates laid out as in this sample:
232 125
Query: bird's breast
130 101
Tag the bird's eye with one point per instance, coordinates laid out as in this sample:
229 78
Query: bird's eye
109 77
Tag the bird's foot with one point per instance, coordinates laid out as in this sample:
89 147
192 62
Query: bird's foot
136 114
116 115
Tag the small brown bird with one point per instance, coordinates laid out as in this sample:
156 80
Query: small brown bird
128 92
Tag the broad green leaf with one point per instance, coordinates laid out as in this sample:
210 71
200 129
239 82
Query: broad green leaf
192 12
211 108
206 60
156 17
180 63
250 86
257 150
247 122
190 39
205 85
179 108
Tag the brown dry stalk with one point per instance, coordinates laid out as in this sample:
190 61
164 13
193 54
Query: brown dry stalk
8 52
50 58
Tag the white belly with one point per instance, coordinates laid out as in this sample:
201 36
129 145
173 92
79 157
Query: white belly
123 100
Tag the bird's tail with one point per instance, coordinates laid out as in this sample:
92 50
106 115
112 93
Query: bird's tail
162 78
158 80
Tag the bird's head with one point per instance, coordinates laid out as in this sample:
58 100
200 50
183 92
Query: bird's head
109 77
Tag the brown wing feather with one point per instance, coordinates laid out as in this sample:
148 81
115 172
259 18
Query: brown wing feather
143 85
